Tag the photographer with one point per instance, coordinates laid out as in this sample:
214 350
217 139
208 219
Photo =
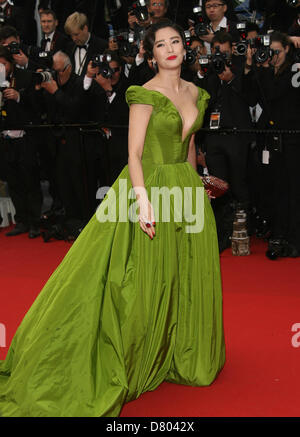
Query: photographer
157 9
69 157
109 91
280 14
53 40
10 38
196 48
17 150
85 45
216 20
273 85
226 155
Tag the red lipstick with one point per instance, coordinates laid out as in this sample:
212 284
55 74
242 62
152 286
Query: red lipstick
170 58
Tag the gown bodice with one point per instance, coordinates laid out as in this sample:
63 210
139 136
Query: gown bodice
163 142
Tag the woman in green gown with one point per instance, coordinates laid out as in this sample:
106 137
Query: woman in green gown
137 300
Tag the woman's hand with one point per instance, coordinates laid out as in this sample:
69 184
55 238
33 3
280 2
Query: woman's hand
146 217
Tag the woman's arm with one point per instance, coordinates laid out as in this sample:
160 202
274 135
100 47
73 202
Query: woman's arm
139 117
192 152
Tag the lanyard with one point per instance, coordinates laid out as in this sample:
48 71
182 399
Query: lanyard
81 62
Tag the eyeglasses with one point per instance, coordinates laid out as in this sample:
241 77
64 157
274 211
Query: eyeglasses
214 6
158 4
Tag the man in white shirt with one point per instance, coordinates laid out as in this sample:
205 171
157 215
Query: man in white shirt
48 25
85 45
215 11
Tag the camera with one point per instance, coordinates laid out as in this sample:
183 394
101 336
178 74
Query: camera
43 76
102 61
242 46
139 10
14 48
45 60
220 60
263 52
126 45
204 62
201 26
293 3
191 55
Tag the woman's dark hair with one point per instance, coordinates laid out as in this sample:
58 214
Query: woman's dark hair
149 39
280 37
285 41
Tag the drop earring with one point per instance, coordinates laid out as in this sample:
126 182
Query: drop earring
155 67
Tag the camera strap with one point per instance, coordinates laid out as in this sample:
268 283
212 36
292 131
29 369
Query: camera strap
81 61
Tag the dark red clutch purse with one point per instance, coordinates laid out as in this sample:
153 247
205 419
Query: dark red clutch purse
216 186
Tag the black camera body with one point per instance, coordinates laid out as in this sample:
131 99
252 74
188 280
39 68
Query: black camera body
102 61
139 10
201 24
204 62
220 60
263 50
242 46
14 48
126 45
293 3
45 60
191 55
44 76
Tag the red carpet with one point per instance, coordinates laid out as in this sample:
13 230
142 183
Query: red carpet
261 304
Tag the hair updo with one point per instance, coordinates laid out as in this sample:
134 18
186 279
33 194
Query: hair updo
149 39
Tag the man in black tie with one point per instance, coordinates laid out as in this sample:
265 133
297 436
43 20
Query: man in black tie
85 45
53 40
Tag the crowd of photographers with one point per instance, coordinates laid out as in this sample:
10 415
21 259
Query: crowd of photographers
65 76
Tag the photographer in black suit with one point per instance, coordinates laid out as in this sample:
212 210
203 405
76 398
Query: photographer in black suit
109 92
215 11
227 155
17 150
275 86
71 172
8 35
85 45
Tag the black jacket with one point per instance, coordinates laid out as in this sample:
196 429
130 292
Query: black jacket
96 46
278 95
27 109
59 42
227 98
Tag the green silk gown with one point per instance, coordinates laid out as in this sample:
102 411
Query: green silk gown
122 313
